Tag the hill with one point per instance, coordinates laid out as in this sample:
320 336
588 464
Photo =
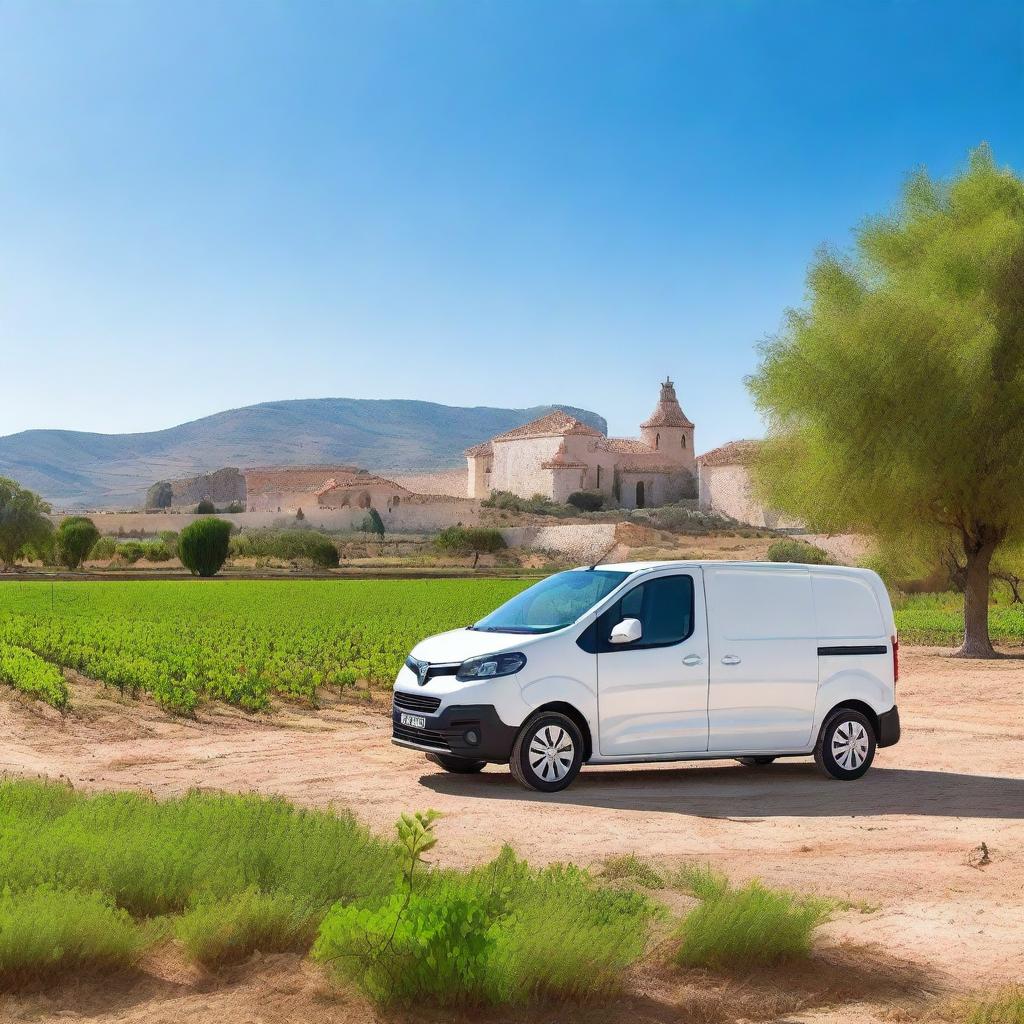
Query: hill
76 469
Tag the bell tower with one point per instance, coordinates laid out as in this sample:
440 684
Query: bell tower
668 431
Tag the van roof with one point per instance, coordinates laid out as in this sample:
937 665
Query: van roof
726 563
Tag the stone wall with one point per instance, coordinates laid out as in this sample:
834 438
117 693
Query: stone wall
409 517
729 489
517 465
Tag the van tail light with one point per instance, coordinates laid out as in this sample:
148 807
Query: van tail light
895 659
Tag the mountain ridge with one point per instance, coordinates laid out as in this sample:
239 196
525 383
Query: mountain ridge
82 469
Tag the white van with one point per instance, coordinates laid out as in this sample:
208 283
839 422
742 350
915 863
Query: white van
661 661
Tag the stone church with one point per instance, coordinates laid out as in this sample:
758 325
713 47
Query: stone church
557 455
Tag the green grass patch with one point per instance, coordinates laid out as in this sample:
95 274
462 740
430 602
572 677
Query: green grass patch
220 932
91 880
1004 1007
938 619
46 933
164 857
630 867
742 927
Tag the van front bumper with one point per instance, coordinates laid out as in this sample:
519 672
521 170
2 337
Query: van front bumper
889 727
453 731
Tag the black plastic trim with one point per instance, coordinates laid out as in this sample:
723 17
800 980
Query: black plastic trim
889 727
447 732
865 649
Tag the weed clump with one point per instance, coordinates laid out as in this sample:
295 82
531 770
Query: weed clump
752 925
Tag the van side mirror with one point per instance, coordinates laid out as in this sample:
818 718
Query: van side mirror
626 632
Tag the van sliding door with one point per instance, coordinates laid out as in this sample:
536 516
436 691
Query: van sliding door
763 659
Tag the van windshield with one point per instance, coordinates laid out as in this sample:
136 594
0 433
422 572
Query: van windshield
553 603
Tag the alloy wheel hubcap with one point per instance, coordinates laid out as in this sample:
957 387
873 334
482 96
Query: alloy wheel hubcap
551 753
850 745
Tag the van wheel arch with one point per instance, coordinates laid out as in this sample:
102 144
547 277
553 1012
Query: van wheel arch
855 705
570 712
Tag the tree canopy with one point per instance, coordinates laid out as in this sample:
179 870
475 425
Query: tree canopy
895 398
23 520
76 537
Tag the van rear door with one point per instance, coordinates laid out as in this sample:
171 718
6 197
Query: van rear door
763 662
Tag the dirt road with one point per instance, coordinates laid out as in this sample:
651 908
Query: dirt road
900 844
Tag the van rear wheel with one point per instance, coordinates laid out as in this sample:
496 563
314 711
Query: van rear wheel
456 765
547 753
846 745
755 762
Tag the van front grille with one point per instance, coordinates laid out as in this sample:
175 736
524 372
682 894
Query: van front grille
416 702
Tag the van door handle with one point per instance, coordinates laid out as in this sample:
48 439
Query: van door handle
693 659
730 659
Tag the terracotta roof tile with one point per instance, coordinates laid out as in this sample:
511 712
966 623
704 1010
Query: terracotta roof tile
735 453
625 446
667 413
554 424
479 449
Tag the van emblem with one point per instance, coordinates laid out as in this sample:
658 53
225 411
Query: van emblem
421 672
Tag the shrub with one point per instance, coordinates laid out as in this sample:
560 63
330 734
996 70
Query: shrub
45 932
234 507
538 504
221 932
156 551
131 551
502 933
286 544
203 546
75 538
104 548
586 501
745 926
469 540
205 508
798 551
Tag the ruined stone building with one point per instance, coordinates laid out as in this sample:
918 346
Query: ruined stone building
558 454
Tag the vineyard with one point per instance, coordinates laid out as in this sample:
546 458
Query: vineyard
235 641
244 641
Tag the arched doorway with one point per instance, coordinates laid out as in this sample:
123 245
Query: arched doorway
639 494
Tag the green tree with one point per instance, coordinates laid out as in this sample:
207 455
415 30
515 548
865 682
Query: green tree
23 520
895 399
372 523
203 546
205 508
76 537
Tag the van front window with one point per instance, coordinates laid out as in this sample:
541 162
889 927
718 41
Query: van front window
553 603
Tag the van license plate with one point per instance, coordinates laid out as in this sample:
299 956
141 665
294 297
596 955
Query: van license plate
413 721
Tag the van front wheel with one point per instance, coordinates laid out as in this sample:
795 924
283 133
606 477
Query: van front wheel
547 753
846 745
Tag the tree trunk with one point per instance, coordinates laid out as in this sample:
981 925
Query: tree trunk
979 546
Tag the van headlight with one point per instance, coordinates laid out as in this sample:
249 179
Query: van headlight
491 666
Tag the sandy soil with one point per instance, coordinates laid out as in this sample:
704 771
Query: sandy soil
901 844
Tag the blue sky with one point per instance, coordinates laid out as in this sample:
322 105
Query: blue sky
209 204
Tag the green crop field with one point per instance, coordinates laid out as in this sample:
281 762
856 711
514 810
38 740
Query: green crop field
243 641
237 641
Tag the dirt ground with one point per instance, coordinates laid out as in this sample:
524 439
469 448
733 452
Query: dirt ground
901 845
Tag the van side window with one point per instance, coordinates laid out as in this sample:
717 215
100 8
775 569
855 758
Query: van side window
664 607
